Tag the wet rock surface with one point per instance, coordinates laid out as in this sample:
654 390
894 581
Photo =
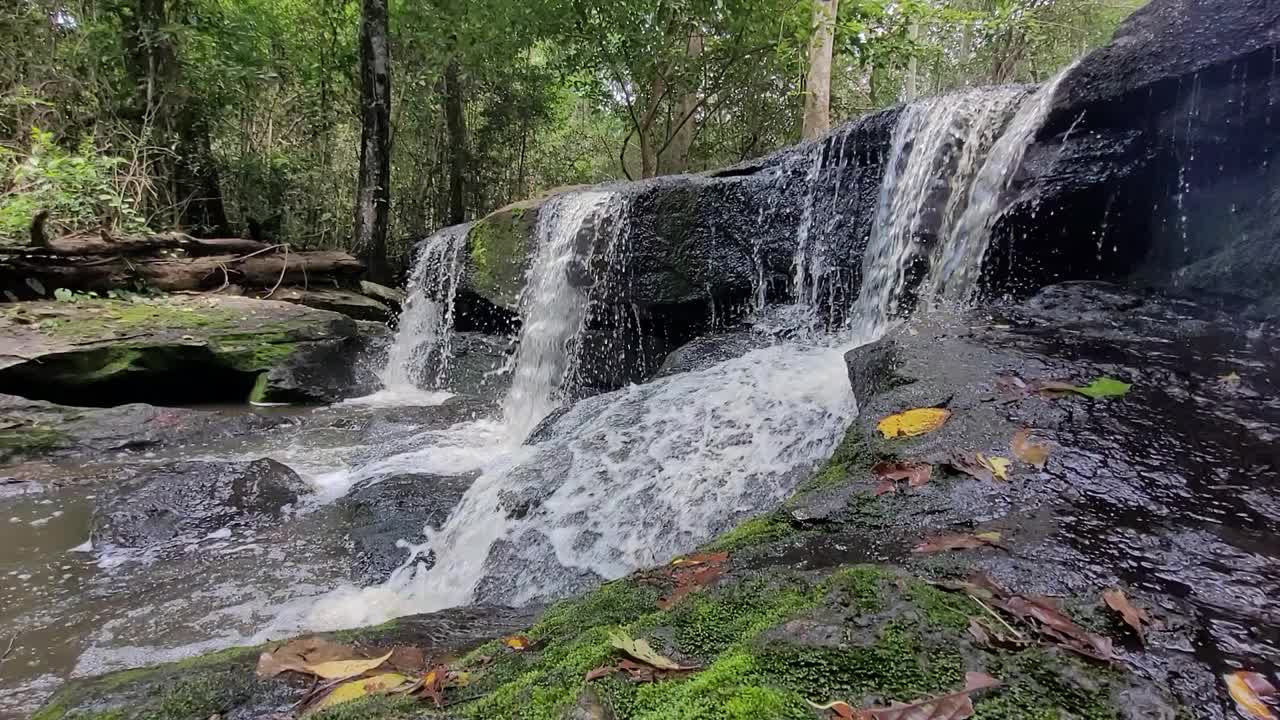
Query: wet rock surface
1169 492
385 511
1157 160
194 499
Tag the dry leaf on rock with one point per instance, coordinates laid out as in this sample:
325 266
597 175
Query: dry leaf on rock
980 466
952 706
1027 450
945 543
336 669
913 422
716 558
520 643
914 474
1253 693
1053 624
407 658
986 632
642 651
358 688
297 654
636 671
1134 616
839 708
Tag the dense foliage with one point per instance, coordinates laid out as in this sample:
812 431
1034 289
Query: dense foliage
207 114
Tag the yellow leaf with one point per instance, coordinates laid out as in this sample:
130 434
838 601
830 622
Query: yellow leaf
998 466
913 422
1244 688
990 537
1232 379
338 669
358 688
517 642
642 651
1027 450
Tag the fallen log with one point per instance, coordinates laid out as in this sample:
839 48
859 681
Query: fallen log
87 245
177 274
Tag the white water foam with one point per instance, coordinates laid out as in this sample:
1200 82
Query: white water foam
629 479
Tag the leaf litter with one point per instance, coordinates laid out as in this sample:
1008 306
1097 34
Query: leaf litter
644 664
890 474
1027 450
1134 616
1253 694
686 575
1041 613
951 706
980 466
945 543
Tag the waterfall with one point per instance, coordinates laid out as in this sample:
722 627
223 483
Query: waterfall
418 360
954 274
938 149
807 263
553 306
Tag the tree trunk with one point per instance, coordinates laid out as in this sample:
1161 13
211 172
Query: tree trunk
675 159
817 90
373 189
456 119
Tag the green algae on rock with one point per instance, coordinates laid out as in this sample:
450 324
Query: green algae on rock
167 350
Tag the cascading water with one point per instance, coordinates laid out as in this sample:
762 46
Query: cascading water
636 476
418 360
954 273
553 307
938 149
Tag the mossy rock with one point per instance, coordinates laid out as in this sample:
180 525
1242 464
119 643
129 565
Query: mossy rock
499 247
168 350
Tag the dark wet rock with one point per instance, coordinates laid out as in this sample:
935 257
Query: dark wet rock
194 499
225 685
476 363
326 371
874 368
703 352
1164 492
354 305
1158 159
173 350
35 428
379 513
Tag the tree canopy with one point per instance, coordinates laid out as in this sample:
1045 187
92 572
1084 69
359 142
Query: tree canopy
210 115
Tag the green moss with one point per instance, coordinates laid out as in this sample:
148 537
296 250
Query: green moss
1036 687
29 439
706 625
497 248
728 688
860 587
854 453
381 707
752 532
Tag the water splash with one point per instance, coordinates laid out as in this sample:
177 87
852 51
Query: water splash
418 360
807 262
628 479
554 306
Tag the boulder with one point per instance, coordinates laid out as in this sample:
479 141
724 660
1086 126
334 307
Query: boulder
353 305
193 499
173 350
1157 160
380 512
693 239
34 428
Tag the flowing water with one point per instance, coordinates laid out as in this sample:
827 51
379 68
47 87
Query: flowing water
619 481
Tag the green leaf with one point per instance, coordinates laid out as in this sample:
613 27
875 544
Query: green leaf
1104 387
642 651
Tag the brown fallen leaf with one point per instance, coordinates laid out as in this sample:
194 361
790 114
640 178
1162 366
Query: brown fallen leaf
885 487
1027 450
1252 693
637 672
433 683
945 543
1051 388
839 708
407 658
297 654
914 474
980 466
952 706
1053 624
1135 617
689 574
988 633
